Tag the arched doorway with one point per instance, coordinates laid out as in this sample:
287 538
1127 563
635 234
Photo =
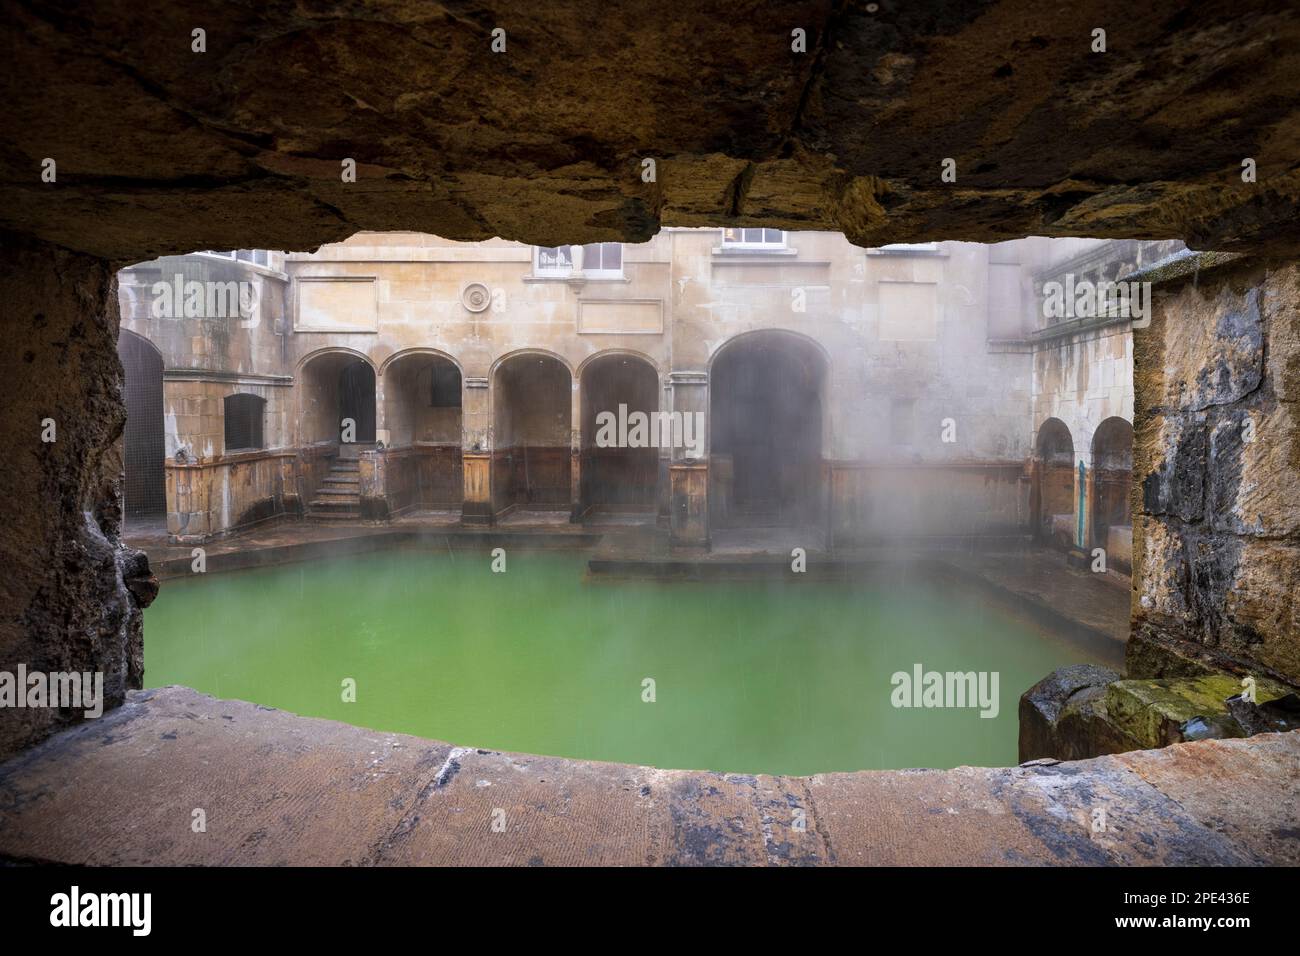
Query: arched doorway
532 411
337 386
1112 475
357 400
765 425
1053 505
618 477
144 439
422 416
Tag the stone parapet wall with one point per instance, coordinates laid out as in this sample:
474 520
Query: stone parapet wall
231 492
872 502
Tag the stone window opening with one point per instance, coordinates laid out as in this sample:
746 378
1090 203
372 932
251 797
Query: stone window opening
746 238
598 260
258 257
444 386
243 414
908 248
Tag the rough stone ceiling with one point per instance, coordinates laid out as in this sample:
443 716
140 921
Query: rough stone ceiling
160 149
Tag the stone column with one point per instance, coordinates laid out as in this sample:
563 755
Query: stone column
688 521
1082 487
381 419
575 452
663 483
1088 502
476 452
372 470
189 489
374 463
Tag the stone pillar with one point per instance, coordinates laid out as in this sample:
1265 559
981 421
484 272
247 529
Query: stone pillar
371 465
663 483
1034 475
1077 554
381 419
189 493
688 520
575 452
1082 484
1089 501
476 452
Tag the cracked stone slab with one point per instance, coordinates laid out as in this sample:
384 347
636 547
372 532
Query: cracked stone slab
275 788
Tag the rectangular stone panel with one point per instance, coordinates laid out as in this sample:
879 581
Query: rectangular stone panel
909 311
336 304
621 316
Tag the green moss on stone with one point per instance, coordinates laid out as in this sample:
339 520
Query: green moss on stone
1155 711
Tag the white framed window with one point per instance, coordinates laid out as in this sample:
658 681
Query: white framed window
600 260
753 238
258 257
603 259
552 260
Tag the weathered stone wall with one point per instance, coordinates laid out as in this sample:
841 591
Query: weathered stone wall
162 150
209 355
1217 472
70 594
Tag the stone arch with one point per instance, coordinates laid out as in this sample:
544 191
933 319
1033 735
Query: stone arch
1110 519
333 384
768 421
741 337
622 477
531 406
605 353
421 396
419 350
530 350
1052 493
315 354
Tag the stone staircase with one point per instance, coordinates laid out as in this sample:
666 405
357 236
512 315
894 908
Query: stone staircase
339 496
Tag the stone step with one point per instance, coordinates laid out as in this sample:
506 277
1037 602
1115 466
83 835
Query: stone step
336 506
350 493
351 481
353 450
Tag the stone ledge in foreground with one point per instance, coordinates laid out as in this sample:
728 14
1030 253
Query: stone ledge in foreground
282 789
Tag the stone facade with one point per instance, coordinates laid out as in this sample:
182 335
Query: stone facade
904 387
1083 401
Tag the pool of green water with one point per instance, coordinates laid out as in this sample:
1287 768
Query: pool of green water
778 677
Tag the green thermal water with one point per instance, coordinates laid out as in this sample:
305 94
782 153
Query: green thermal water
755 678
